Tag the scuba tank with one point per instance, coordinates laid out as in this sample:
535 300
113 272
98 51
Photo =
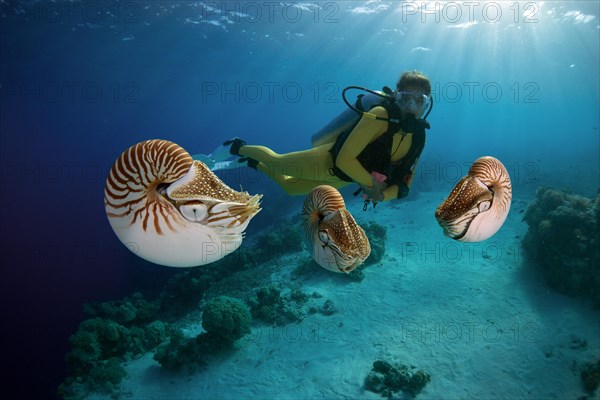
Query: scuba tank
349 117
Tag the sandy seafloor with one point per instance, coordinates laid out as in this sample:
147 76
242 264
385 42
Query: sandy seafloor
476 317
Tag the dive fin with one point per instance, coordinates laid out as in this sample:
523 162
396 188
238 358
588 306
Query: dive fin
221 153
218 165
224 165
214 159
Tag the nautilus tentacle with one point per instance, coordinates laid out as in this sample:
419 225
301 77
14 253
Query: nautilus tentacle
479 203
171 210
335 240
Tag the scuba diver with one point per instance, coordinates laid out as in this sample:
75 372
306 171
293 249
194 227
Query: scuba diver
376 143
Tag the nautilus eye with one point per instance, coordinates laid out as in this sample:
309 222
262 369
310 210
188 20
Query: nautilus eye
484 206
336 242
194 211
479 203
323 237
171 210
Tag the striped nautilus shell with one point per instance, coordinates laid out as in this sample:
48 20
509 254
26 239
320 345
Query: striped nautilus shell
172 210
478 205
332 235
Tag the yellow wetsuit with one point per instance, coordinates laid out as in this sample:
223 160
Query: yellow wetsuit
301 171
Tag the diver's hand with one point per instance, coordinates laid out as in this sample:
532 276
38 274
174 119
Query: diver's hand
374 193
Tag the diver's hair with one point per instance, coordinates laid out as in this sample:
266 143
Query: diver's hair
414 79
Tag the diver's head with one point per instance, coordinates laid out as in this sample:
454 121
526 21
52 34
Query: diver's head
413 93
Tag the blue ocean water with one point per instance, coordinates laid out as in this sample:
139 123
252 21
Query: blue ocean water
82 81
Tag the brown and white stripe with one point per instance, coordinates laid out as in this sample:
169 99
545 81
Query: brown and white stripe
133 185
320 202
172 210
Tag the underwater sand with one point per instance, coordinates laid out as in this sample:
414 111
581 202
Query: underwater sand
473 316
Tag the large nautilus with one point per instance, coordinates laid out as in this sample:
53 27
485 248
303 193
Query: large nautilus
479 203
172 210
336 242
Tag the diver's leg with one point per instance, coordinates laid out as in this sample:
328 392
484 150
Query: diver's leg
297 186
313 165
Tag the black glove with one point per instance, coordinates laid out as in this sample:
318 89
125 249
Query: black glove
251 162
403 190
236 144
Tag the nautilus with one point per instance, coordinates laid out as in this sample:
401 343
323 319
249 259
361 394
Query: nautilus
172 210
479 203
336 242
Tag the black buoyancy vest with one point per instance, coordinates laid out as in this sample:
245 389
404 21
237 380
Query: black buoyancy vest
401 171
377 155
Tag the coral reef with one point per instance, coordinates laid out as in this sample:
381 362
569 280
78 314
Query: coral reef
591 376
276 242
183 292
273 306
225 320
133 311
181 352
377 235
564 240
285 239
386 378
328 308
116 332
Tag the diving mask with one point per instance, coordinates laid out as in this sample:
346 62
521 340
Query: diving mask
413 102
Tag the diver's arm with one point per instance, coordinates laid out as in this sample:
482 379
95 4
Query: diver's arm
367 130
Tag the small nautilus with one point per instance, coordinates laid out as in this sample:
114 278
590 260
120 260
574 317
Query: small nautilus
336 242
172 210
479 203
